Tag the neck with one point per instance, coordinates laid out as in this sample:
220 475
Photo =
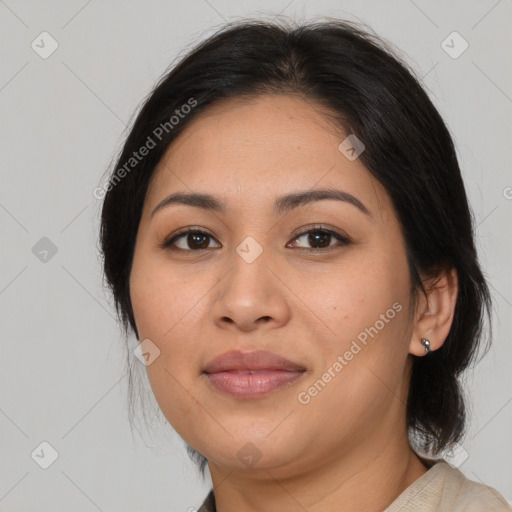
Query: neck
369 477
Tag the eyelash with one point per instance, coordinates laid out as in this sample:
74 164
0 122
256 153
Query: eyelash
168 243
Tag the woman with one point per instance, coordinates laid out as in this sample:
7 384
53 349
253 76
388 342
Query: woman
287 233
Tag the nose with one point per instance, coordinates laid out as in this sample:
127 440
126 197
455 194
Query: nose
250 296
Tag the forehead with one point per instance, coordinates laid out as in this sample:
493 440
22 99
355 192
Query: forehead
262 147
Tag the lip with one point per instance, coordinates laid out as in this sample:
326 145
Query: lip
251 374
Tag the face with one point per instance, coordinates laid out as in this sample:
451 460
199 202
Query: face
323 283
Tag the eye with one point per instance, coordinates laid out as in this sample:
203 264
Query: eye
320 238
194 239
189 239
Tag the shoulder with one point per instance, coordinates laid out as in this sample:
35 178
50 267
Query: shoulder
444 488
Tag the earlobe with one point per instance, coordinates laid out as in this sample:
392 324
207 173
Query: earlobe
434 314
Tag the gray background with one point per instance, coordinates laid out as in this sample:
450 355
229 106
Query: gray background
62 376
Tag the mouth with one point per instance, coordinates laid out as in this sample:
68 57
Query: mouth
251 374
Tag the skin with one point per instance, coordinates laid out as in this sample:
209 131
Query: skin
347 449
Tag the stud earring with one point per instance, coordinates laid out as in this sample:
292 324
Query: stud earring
426 344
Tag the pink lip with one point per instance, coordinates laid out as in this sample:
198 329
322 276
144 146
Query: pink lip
251 374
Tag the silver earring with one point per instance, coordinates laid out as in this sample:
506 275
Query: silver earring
426 344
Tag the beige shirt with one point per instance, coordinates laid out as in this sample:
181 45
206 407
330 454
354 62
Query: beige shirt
441 489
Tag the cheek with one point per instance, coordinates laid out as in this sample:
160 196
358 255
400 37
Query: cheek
162 299
170 308
363 355
362 293
167 311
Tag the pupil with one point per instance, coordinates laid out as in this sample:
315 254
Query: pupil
196 240
315 239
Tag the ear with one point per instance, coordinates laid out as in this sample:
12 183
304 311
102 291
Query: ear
434 313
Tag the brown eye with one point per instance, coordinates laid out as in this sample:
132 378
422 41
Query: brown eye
190 240
320 239
196 240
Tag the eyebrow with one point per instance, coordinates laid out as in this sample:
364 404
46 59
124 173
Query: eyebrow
284 203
